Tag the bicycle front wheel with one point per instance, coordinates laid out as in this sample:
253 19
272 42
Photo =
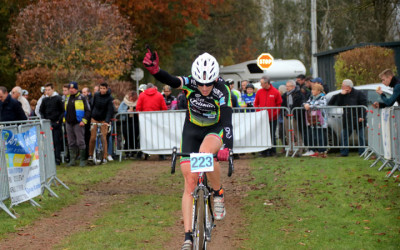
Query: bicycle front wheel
98 153
199 235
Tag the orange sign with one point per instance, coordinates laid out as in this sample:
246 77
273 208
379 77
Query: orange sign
264 61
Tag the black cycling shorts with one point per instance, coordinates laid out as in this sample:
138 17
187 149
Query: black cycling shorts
193 136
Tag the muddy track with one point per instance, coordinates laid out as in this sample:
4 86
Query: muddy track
48 232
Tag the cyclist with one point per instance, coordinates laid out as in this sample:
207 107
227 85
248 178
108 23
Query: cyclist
207 127
103 110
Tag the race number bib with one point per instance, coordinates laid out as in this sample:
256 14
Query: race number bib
201 162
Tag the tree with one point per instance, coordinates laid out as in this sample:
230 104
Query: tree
164 23
363 65
73 37
8 9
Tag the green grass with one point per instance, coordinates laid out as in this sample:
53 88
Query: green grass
139 222
333 203
77 178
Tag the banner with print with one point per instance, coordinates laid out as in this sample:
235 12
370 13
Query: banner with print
161 131
22 158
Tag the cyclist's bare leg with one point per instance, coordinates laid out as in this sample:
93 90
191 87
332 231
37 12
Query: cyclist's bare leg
211 144
187 198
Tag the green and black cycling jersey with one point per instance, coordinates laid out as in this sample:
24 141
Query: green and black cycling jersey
206 110
214 110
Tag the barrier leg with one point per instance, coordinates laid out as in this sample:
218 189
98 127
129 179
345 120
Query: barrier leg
60 182
369 155
4 207
50 191
383 165
396 167
365 152
375 162
34 203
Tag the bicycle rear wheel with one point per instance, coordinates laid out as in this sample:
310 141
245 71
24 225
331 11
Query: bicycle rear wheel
199 235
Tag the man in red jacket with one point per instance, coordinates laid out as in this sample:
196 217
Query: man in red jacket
151 100
268 96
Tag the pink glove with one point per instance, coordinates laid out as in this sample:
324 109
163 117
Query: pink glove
223 155
150 62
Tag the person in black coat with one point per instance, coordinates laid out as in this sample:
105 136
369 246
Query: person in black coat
102 112
353 118
10 109
293 98
52 108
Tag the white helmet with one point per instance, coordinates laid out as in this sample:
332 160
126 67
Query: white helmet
205 68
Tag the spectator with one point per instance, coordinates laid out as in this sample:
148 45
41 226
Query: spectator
142 88
52 108
32 103
235 93
37 112
111 144
316 121
301 82
10 109
281 128
233 97
243 85
86 93
25 94
319 81
249 97
353 118
96 89
130 123
102 112
151 100
390 80
77 114
16 93
294 99
170 100
182 101
268 96
65 92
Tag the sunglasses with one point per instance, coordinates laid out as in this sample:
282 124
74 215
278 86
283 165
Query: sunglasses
205 84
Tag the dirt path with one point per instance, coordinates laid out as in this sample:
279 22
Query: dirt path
97 200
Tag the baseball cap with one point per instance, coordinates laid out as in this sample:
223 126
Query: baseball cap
317 79
73 85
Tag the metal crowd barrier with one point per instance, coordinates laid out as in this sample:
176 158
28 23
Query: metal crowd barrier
50 166
47 163
126 126
323 128
4 189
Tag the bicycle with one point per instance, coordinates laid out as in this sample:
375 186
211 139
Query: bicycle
202 217
98 153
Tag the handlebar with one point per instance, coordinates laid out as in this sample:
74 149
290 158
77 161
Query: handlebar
99 124
175 154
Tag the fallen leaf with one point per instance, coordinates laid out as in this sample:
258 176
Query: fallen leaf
380 233
371 180
351 233
301 243
367 228
308 231
88 204
357 222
